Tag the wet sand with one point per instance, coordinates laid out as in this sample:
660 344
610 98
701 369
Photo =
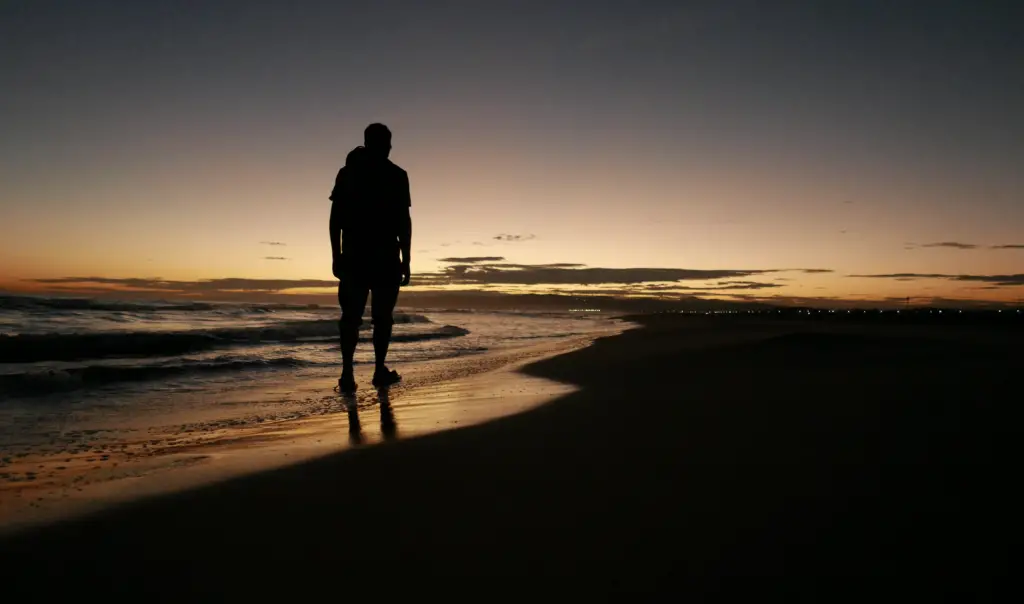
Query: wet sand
287 421
826 458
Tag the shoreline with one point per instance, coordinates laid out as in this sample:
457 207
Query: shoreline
692 452
39 489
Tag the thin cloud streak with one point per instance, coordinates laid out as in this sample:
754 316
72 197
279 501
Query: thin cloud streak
202 286
472 259
547 275
1001 280
959 245
514 238
956 245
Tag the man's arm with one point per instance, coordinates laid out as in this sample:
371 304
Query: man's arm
335 226
405 229
335 229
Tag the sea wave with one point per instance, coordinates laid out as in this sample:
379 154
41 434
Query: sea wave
61 380
448 331
49 380
48 303
32 348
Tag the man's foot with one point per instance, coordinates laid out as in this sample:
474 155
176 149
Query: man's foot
383 378
347 383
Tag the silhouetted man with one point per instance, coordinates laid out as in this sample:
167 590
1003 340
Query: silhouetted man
370 217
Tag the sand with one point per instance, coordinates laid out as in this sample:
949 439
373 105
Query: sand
826 458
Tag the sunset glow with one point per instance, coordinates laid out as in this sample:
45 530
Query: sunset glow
151 150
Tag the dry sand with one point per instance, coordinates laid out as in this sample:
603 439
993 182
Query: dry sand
695 451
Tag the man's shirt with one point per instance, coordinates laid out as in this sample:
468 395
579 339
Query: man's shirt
371 198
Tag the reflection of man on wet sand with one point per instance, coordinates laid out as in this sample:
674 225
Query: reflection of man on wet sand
388 428
387 419
371 233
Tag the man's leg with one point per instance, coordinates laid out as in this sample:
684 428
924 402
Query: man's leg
382 307
352 298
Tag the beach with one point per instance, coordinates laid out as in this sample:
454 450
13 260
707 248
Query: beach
77 447
689 452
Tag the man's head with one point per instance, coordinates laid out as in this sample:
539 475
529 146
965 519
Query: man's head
377 139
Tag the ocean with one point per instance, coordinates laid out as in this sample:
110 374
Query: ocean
74 364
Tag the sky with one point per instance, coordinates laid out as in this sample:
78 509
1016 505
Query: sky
797 151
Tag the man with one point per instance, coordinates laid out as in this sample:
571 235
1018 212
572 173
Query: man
371 232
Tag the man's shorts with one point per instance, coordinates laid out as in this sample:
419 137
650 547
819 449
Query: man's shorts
380 285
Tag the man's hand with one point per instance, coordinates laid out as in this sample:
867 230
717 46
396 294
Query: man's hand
336 267
406 273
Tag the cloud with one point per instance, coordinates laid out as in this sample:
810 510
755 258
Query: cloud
956 245
274 258
568 274
510 266
1004 280
203 286
813 271
558 265
272 243
514 238
492 286
657 290
748 285
472 259
1001 280
472 272
902 276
